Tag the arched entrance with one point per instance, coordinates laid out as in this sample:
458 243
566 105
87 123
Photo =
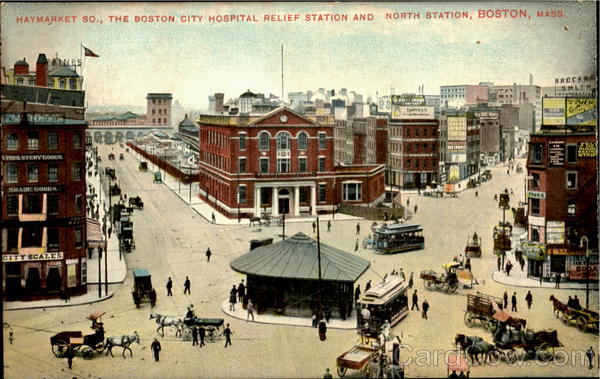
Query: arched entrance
108 137
119 137
130 135
284 201
53 280
141 135
88 138
98 137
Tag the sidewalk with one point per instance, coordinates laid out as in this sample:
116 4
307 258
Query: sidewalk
334 323
90 297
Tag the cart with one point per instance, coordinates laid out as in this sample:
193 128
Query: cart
214 328
86 345
584 319
457 364
157 177
114 190
360 358
143 166
473 247
447 281
136 202
142 288
121 157
481 308
111 157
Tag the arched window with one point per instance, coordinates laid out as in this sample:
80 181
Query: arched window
302 141
263 140
283 141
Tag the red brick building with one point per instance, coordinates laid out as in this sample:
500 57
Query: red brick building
280 162
43 206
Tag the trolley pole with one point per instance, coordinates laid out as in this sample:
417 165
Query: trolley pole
283 225
319 259
587 269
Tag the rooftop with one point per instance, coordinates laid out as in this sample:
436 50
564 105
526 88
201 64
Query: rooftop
159 96
43 95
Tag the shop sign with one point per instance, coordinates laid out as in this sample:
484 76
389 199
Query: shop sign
533 251
536 195
32 157
580 270
555 232
556 153
36 189
72 275
32 257
582 111
587 150
537 221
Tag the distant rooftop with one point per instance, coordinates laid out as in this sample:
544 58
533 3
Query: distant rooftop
43 95
159 96
124 116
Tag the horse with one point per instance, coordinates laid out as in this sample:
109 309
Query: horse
162 321
559 307
254 220
123 341
474 346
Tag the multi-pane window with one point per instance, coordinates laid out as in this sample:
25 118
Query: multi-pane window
53 204
302 164
53 239
537 153
12 141
78 203
535 207
12 239
77 141
52 172
322 137
62 84
12 173
322 192
283 141
77 170
263 140
33 140
32 172
32 204
72 84
242 141
242 165
264 165
12 205
242 194
535 180
571 180
283 165
78 238
351 191
321 163
52 140
302 141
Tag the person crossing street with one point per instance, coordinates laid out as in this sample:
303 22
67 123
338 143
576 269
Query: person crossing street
415 301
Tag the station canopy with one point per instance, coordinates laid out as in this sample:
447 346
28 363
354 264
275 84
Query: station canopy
297 258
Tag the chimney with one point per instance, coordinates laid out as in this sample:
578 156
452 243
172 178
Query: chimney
530 79
219 97
41 71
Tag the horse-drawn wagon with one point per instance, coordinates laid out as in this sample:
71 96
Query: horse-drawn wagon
111 157
481 308
213 326
360 357
584 319
447 281
114 189
85 345
537 344
121 157
142 288
136 202
473 247
143 167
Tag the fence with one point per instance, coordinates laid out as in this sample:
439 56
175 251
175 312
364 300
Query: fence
378 213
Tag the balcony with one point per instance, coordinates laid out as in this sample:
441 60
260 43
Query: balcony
26 216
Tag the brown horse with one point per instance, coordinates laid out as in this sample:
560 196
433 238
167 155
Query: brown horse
473 347
559 307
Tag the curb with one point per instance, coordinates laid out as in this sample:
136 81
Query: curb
67 304
542 286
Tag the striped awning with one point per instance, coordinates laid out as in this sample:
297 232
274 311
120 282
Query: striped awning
94 234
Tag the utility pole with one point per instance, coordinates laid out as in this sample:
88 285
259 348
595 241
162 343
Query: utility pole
319 259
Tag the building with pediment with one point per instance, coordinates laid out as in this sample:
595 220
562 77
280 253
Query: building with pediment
279 163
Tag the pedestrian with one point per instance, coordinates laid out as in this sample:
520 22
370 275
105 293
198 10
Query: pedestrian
522 263
468 264
576 304
314 320
232 296
513 301
227 334
213 218
357 228
505 298
194 336
241 291
11 336
408 202
508 267
495 197
511 191
155 347
415 301
411 280
425 309
367 286
314 225
169 286
70 354
507 172
357 293
328 226
499 264
327 374
590 356
208 254
109 231
401 273
356 245
201 334
327 314
557 282
250 309
476 194
322 330
416 208
186 286
529 299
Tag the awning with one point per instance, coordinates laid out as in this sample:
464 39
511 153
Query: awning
94 234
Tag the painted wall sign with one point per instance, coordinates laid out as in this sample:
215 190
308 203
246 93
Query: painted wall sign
32 257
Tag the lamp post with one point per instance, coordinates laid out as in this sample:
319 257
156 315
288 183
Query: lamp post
587 270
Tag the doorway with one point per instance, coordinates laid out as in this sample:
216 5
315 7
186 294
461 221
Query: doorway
284 201
13 281
53 280
33 282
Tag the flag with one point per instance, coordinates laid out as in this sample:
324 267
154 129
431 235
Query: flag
89 53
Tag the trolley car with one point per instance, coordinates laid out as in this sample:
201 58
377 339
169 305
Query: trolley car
386 301
395 238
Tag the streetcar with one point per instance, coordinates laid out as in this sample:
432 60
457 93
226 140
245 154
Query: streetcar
387 301
394 238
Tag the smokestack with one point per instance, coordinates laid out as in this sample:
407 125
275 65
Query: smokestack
219 97
530 79
41 71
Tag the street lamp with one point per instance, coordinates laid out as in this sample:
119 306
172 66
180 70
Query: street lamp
587 270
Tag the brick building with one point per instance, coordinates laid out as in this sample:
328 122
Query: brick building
43 206
459 145
159 109
281 162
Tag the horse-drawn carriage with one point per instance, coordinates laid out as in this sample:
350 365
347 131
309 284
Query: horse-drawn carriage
114 189
136 202
111 157
473 247
121 157
86 345
378 360
538 344
486 175
266 220
213 326
502 242
142 288
110 172
447 280
481 308
143 167
584 319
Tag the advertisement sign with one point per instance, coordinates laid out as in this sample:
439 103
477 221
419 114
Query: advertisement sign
555 232
553 111
412 100
587 150
582 112
536 195
457 128
580 270
32 157
486 115
556 153
582 85
406 112
453 173
36 189
31 257
71 275
536 221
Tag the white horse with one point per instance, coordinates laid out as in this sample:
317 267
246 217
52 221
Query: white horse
123 341
162 321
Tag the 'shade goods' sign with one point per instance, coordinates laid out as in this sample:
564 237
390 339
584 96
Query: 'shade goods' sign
556 153
32 157
36 189
32 257
587 150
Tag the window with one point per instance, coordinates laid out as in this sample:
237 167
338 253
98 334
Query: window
322 192
20 81
535 234
242 194
52 140
78 203
160 111
62 84
351 191
283 141
408 132
322 137
78 238
416 163
242 165
242 141
302 141
33 140
571 207
12 239
32 172
33 204
302 164
12 205
263 140
12 141
535 207
537 153
72 84
76 173
12 173
165 120
154 111
77 141
154 121
52 172
53 204
571 153
571 180
53 239
264 165
321 163
31 236
303 195
535 180
283 165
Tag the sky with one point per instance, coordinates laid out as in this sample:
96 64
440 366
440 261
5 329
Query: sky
193 60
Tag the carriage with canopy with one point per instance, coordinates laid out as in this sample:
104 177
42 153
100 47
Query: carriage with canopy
214 328
85 345
142 288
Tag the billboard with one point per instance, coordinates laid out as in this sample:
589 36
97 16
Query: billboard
409 100
408 112
555 232
582 112
553 111
457 128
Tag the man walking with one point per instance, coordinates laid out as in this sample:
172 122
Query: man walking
513 301
155 347
505 298
201 334
232 296
557 283
499 261
169 287
213 218
186 286
416 208
529 299
425 309
410 280
356 245
208 254
227 334
70 354
241 291
328 226
415 301
357 228
590 356
250 309
368 286
357 293
194 336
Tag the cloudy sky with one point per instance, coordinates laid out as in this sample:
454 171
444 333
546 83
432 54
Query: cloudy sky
195 59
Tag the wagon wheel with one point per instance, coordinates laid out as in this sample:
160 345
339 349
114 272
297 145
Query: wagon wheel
365 244
581 323
545 352
186 335
341 371
493 356
469 319
59 348
87 352
439 285
452 287
564 318
428 284
510 356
